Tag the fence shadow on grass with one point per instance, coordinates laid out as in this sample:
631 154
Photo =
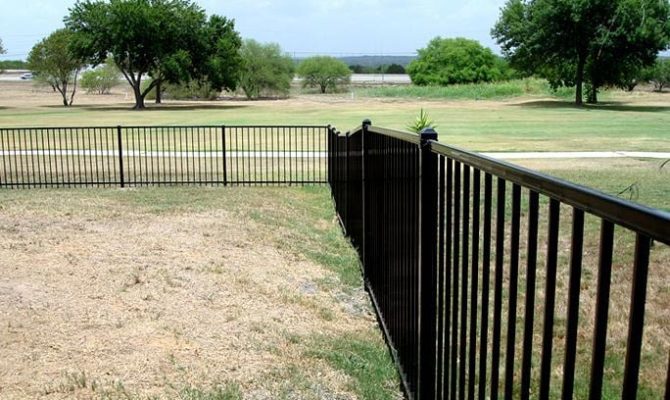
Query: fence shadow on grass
602 106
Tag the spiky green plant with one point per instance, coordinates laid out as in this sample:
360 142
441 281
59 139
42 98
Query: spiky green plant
421 122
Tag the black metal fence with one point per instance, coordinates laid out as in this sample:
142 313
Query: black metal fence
169 155
439 233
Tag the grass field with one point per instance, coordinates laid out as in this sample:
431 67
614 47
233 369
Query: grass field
613 177
641 181
628 121
183 293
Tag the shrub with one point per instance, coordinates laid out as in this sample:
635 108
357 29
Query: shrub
102 79
449 61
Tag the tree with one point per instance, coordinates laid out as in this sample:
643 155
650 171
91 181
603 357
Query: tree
658 74
265 69
578 42
52 60
450 61
168 40
394 69
324 73
101 79
2 51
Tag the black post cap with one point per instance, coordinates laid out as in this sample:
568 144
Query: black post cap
428 133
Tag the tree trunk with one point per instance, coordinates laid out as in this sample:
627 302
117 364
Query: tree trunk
159 99
139 99
74 87
592 97
579 80
63 92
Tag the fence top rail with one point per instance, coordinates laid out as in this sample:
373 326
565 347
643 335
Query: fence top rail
642 219
400 135
158 127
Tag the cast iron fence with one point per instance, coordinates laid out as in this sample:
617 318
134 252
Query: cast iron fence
440 269
167 155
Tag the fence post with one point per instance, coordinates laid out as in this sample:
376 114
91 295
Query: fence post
428 193
330 157
120 145
346 181
364 156
223 145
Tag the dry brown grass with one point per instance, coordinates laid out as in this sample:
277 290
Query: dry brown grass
99 294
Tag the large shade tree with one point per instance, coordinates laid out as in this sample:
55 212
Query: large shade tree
167 40
578 42
52 60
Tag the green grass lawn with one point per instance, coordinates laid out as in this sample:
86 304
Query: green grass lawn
636 121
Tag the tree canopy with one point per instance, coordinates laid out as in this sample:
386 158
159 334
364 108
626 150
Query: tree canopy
449 61
2 51
53 61
265 69
168 40
324 72
577 42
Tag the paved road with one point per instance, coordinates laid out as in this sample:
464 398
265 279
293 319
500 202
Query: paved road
323 154
377 79
13 75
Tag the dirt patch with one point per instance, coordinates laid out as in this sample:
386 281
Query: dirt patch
120 298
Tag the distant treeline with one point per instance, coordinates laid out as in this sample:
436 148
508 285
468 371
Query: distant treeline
377 64
13 64
380 69
376 61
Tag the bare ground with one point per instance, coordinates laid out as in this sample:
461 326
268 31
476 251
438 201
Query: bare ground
99 297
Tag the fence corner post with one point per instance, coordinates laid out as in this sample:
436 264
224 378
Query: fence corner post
428 195
120 145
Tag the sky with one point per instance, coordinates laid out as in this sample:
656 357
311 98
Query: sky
301 27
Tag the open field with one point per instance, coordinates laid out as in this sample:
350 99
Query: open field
629 121
183 293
